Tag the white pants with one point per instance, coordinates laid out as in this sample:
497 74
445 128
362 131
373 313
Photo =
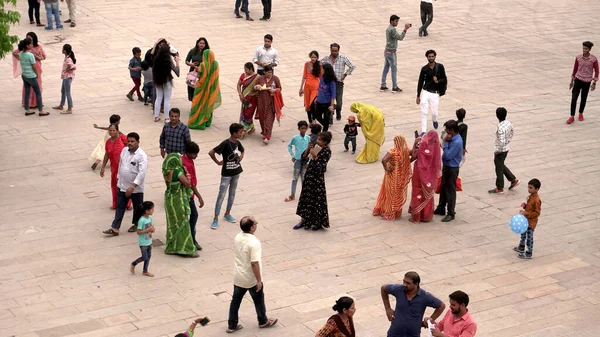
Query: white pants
432 100
72 4
165 91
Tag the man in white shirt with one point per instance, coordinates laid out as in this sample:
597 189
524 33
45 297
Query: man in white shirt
132 172
426 16
266 55
247 276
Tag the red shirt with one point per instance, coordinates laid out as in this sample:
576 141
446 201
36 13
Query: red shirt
191 168
585 70
463 327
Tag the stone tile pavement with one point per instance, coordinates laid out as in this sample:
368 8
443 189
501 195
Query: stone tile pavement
60 277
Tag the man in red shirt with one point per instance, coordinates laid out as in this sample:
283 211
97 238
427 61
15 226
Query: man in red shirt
191 152
585 74
457 322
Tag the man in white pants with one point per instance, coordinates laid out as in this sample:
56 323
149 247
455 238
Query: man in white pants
432 84
72 4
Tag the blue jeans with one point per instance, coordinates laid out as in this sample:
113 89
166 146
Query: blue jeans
193 219
52 8
258 297
65 92
390 61
350 139
146 255
244 4
148 91
299 171
122 200
29 83
527 237
226 183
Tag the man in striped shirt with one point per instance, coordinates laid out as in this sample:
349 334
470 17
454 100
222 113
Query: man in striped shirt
585 72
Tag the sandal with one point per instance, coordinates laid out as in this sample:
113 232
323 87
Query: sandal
237 16
288 199
299 225
238 327
132 229
58 107
249 19
68 112
110 232
270 323
29 113
42 114
156 119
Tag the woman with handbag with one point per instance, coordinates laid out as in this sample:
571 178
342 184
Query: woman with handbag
425 177
340 324
207 94
193 60
248 96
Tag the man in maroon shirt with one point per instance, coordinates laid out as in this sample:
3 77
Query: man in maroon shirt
585 72
191 152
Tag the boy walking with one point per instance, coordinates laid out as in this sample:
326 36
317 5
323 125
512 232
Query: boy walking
232 153
296 147
531 210
504 134
135 71
351 131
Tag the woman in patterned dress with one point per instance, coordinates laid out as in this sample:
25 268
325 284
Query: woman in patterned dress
268 85
177 207
340 324
312 205
394 187
425 176
248 96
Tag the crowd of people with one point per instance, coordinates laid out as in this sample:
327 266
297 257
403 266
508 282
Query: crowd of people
431 165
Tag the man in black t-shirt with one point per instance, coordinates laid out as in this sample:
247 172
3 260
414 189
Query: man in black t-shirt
232 153
431 86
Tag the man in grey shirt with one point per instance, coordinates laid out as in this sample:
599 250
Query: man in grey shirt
391 44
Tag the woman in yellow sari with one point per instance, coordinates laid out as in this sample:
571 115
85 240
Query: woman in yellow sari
207 95
372 125
394 187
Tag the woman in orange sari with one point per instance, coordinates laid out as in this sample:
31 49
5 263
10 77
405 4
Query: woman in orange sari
309 87
394 187
207 95
425 177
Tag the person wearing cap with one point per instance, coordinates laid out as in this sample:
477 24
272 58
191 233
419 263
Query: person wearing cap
351 131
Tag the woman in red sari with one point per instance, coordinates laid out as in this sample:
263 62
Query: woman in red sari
425 176
114 146
268 85
248 96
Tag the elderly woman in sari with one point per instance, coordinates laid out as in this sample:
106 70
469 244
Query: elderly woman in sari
425 176
248 96
372 125
340 324
270 88
394 187
177 207
207 95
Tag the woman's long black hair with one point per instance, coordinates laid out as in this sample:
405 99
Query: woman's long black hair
328 73
206 46
139 211
316 70
161 69
67 48
34 38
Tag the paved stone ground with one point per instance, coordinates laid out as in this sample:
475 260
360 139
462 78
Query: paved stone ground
60 277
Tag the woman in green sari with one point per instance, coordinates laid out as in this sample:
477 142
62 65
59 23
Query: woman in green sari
177 207
207 95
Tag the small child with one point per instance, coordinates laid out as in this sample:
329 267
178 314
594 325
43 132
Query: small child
98 154
67 75
351 131
462 130
143 218
135 71
296 147
148 85
531 210
315 129
190 331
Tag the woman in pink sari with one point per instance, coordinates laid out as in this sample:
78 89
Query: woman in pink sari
40 55
425 176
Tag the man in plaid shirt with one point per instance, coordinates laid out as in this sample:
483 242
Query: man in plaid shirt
174 135
504 134
339 63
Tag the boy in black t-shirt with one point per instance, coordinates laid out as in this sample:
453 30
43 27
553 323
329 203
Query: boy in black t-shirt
351 131
232 153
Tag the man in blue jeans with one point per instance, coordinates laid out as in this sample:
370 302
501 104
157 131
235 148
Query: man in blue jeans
247 276
52 9
133 165
391 44
191 153
232 153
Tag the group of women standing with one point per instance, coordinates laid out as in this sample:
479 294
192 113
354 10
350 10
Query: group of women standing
426 153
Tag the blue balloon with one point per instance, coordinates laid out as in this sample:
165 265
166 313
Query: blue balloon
519 224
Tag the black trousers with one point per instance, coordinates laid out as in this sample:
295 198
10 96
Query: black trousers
266 8
322 115
502 170
339 95
34 6
448 189
584 88
426 15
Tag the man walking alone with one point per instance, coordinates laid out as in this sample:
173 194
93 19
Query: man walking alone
391 45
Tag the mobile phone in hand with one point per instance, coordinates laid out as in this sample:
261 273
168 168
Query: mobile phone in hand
204 321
